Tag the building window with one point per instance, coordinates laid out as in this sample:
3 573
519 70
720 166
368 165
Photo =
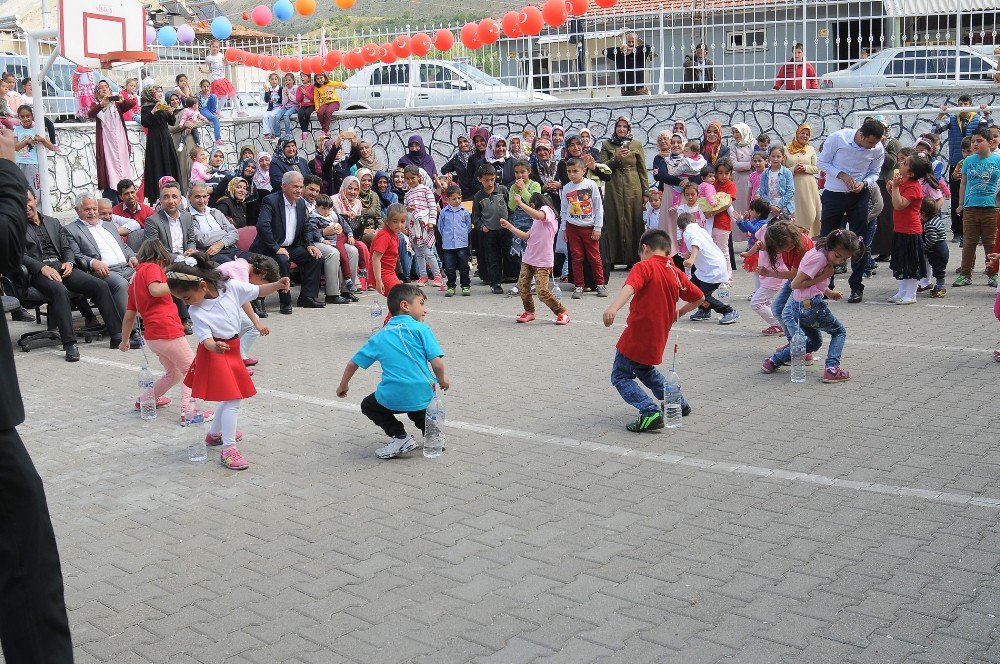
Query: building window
746 40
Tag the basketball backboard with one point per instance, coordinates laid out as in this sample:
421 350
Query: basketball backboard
90 29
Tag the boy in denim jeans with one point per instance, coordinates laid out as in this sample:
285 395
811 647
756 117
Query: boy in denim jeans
656 286
455 222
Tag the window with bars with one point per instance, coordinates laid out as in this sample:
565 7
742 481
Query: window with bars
744 41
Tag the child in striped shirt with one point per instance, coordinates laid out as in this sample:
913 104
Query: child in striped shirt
422 208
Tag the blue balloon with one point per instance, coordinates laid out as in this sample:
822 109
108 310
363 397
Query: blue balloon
166 36
222 27
283 10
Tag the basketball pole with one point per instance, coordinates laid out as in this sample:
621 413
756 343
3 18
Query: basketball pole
38 73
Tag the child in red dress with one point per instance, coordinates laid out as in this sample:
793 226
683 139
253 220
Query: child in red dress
385 248
218 372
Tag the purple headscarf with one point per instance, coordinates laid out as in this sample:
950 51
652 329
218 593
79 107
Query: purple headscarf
421 158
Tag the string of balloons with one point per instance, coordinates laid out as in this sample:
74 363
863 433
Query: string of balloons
528 22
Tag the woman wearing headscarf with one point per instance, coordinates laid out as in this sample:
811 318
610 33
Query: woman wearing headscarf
480 139
666 165
383 189
545 170
348 206
623 195
496 154
712 148
589 143
371 206
558 141
114 153
800 159
340 154
262 176
460 165
234 203
368 159
246 170
881 247
286 159
741 155
161 152
417 155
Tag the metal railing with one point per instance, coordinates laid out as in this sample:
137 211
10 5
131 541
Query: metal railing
890 43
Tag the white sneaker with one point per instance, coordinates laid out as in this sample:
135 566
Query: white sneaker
577 293
904 300
395 447
894 299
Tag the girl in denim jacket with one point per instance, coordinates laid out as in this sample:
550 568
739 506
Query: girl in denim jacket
776 184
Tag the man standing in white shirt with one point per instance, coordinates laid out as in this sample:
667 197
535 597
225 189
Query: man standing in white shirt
852 160
99 249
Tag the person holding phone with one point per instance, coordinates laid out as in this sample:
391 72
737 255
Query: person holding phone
623 195
114 153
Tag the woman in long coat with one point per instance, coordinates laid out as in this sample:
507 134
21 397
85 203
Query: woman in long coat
161 150
800 158
114 153
623 194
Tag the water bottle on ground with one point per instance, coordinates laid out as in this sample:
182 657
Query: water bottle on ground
556 290
672 400
798 347
197 451
433 433
723 292
377 317
147 400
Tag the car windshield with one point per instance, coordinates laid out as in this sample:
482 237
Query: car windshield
475 74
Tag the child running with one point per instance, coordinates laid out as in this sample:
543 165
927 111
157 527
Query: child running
808 309
538 257
768 286
656 286
218 372
710 270
907 248
149 297
403 348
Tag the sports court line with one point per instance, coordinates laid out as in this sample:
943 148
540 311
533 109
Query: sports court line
669 458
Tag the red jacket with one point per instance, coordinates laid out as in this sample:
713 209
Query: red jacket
791 77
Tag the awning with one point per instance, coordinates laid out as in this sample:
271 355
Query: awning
901 8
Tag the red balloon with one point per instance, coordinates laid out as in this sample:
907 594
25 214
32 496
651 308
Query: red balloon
316 62
577 7
272 62
605 4
370 51
510 25
401 46
554 12
232 54
333 60
306 66
531 20
421 44
489 31
388 55
354 59
295 64
443 40
470 36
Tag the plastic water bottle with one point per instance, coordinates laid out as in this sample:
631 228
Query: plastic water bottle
672 400
433 434
798 347
724 292
147 400
557 291
377 317
197 452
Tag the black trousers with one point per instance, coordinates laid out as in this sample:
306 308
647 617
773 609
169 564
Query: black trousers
711 302
839 207
33 624
386 420
491 248
937 256
309 271
83 284
228 254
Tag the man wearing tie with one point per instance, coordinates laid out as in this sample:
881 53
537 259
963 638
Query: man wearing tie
281 234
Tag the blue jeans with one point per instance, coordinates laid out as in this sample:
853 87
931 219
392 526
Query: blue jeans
457 260
283 115
778 305
405 259
624 373
214 119
813 320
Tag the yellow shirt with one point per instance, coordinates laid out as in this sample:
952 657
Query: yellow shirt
327 94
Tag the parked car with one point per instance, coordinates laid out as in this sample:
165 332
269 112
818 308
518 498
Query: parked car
917 66
427 83
57 89
252 102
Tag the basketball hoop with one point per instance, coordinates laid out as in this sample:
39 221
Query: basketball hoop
112 57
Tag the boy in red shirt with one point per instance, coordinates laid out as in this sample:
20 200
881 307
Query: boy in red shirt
657 286
385 248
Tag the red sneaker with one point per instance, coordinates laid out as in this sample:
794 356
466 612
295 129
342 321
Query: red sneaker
250 361
232 459
563 318
526 317
215 441
835 375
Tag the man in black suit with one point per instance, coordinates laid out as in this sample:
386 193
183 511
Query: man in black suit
33 624
49 261
281 234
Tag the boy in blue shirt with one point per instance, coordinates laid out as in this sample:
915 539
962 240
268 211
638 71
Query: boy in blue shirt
980 181
455 222
403 347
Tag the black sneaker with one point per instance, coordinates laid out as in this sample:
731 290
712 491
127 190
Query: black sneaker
855 297
650 422
497 289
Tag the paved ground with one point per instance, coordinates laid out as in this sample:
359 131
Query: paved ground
810 523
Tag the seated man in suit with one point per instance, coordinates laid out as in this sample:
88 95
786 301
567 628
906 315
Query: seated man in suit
172 225
49 261
130 230
214 234
99 249
281 234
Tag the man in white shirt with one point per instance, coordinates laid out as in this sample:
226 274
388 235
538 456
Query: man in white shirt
213 233
99 249
171 225
130 229
852 160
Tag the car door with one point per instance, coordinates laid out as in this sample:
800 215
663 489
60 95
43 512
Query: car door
905 66
438 85
388 87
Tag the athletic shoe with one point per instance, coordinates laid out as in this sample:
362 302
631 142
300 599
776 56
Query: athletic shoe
769 367
232 459
563 318
466 291
992 281
771 331
438 281
602 291
893 299
526 317
701 314
924 289
577 293
906 301
216 440
497 289
250 361
421 281
855 297
650 422
450 292
730 318
395 447
938 292
962 281
161 402
809 359
835 375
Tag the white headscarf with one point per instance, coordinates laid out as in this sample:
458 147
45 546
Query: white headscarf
746 134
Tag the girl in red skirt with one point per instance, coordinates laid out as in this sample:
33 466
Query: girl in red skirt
218 372
215 67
